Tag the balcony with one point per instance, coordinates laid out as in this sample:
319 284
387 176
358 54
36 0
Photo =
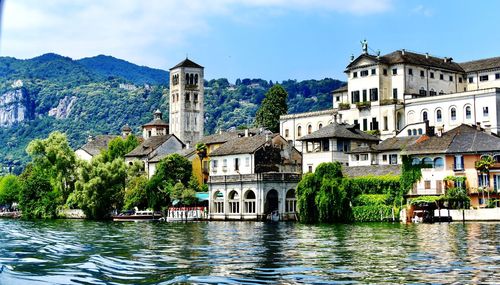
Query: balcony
344 106
268 177
363 105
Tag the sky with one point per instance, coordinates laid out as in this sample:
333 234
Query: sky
269 39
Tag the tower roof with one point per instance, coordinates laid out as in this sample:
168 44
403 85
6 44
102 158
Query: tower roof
126 128
187 63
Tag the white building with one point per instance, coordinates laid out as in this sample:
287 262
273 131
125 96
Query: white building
386 93
252 176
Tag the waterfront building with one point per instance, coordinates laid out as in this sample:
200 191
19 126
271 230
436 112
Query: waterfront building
386 93
388 152
454 154
252 176
332 143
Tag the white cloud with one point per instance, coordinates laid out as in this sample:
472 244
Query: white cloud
422 10
145 32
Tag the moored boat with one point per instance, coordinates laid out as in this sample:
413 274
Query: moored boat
135 216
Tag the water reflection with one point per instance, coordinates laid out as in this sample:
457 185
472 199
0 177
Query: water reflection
82 252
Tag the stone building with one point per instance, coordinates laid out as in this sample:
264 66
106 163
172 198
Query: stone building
252 176
186 116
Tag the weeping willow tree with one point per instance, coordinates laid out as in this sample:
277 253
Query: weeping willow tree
322 196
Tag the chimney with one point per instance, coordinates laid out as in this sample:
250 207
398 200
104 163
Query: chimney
427 55
439 132
246 132
90 138
403 52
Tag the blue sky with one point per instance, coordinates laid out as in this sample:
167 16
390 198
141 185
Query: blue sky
269 39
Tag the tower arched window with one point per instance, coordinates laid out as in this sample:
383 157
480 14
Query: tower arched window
299 131
468 112
453 114
187 78
425 116
191 79
196 79
439 116
309 129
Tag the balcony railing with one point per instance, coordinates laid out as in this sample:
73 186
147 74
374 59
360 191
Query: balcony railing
270 176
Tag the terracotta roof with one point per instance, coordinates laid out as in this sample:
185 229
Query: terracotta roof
371 170
97 144
482 64
336 130
187 63
148 146
462 139
241 145
399 56
225 136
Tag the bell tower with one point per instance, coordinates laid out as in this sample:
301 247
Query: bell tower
186 116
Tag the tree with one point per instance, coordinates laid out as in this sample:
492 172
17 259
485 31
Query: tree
10 187
272 107
135 193
100 187
119 147
56 159
37 198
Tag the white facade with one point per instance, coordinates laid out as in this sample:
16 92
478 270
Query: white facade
186 117
83 155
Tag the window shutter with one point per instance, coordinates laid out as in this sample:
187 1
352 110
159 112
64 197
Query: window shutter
495 183
462 161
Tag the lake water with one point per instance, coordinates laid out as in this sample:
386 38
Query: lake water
84 252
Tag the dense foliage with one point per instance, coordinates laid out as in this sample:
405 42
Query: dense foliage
271 108
327 196
9 189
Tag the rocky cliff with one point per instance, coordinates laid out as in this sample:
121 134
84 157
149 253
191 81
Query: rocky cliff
15 106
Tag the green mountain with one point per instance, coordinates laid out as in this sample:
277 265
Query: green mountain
99 95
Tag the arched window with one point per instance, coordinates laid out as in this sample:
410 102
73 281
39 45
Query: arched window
409 132
309 129
299 131
453 114
420 131
218 203
439 116
234 202
441 92
414 132
196 79
438 162
468 112
249 202
191 79
425 116
291 201
320 126
187 78
415 161
427 161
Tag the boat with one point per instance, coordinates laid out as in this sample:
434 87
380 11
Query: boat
136 216
274 216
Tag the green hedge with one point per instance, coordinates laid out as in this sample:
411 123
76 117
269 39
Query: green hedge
371 199
373 213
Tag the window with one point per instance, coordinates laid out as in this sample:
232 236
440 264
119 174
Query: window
409 132
299 131
337 98
453 114
485 111
386 125
249 202
432 92
384 157
393 159
441 76
287 133
247 161
427 184
364 73
468 112
451 78
438 116
427 161
355 97
422 91
196 79
309 129
236 164
214 165
356 122
458 162
414 132
483 180
410 71
432 75
354 74
395 93
422 73
218 203
374 94
195 97
187 97
483 78
415 161
425 116
394 71
365 124
441 92
374 71
290 201
355 157
385 72
234 203
471 79
363 157
497 75
224 165
438 163
420 131
460 80
310 168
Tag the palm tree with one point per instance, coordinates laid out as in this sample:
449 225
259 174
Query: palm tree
483 166
201 151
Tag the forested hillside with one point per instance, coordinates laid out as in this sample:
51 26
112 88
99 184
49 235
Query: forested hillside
98 95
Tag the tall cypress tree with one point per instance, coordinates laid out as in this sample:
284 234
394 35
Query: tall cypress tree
271 108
